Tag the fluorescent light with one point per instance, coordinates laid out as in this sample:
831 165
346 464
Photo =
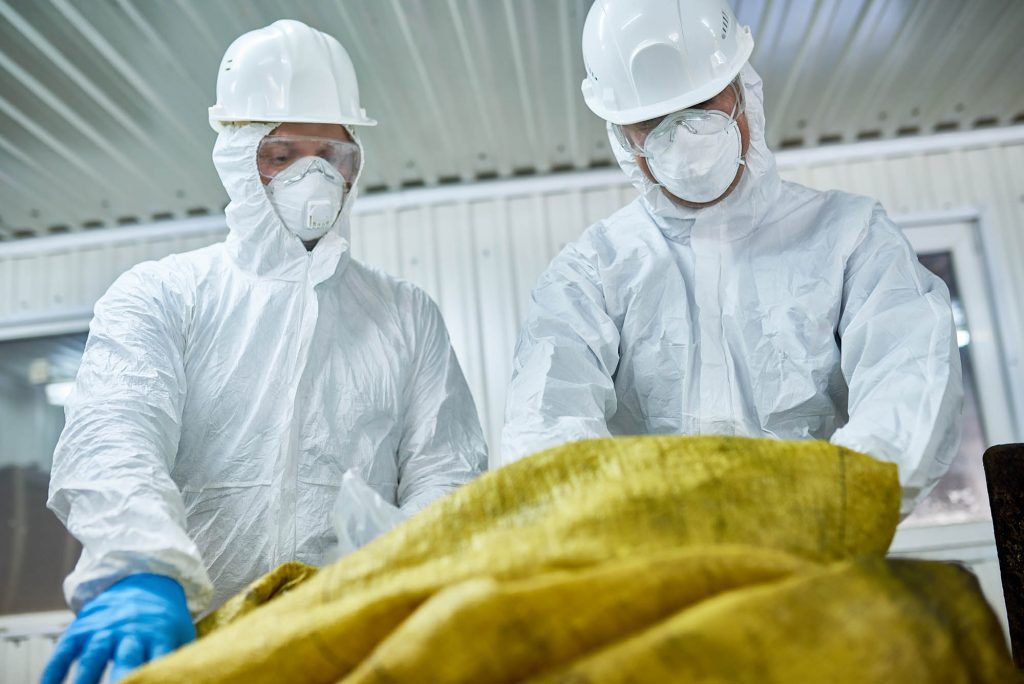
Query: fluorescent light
57 392
963 338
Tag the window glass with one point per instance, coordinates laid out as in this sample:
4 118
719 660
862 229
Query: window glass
961 495
37 552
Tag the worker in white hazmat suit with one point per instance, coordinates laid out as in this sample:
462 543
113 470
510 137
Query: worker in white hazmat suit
723 300
226 393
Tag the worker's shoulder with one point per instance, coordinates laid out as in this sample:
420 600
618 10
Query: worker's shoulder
385 287
864 218
832 206
607 238
623 225
844 218
172 275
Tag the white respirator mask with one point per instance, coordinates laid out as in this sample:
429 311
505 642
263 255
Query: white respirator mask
693 153
308 197
695 166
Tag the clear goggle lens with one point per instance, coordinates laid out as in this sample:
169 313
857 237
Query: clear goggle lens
278 152
708 118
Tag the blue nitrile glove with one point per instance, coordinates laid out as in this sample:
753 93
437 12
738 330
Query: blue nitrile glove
140 618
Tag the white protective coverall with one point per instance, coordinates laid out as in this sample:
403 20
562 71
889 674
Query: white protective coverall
224 393
779 312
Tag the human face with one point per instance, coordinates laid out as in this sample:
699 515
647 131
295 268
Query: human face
729 101
290 142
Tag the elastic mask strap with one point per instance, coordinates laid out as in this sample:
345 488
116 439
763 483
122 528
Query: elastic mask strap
362 159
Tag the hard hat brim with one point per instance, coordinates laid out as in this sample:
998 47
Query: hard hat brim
343 121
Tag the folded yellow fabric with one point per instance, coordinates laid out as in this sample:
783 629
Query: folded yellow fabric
640 559
867 620
275 583
486 630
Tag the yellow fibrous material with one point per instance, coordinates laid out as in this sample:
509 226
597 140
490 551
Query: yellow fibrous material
653 559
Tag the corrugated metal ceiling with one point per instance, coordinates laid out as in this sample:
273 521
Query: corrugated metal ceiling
103 103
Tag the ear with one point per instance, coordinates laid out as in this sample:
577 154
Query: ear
744 125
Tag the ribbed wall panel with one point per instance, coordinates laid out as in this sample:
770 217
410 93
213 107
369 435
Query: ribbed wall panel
26 642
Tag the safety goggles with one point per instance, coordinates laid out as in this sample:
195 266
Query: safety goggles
278 152
647 138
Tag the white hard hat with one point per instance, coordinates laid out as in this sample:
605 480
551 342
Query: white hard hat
648 58
287 72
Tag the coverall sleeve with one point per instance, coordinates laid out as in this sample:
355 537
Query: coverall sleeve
442 445
900 359
110 483
568 350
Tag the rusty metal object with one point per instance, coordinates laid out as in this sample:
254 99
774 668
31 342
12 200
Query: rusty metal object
1004 472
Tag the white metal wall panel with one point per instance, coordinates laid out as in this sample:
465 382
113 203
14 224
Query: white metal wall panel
26 642
69 273
22 660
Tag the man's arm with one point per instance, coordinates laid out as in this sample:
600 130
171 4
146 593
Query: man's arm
442 444
561 389
110 483
900 360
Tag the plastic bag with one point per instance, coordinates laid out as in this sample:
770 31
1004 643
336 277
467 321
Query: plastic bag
360 515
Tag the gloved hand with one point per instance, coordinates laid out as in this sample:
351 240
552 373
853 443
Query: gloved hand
140 618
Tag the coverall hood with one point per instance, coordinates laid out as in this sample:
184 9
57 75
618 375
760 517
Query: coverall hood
748 203
258 241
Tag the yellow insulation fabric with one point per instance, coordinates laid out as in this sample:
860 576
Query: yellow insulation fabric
648 559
